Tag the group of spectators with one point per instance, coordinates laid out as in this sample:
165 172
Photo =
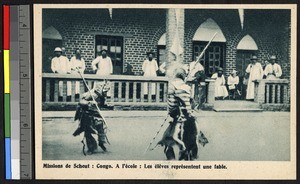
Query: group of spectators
62 65
102 66
254 72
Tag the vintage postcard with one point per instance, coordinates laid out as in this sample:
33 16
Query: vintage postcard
132 91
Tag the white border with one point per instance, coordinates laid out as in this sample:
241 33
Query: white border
236 169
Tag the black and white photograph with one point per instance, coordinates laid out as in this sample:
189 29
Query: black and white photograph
165 88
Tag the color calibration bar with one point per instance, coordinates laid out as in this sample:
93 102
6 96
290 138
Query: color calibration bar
14 92
16 37
7 128
25 92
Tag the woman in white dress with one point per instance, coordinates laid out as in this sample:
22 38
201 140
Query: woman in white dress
220 89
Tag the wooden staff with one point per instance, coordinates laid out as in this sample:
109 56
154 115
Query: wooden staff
94 100
202 53
156 134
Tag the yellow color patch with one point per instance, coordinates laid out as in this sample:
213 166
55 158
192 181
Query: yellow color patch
6 72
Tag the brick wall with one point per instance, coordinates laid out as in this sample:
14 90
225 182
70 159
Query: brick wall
142 29
269 28
139 28
273 35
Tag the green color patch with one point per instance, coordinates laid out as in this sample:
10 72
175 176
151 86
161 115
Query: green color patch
7 115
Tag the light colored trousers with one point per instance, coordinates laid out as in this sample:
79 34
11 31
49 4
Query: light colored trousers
61 89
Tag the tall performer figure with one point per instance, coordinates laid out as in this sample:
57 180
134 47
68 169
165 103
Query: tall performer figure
90 120
196 78
182 130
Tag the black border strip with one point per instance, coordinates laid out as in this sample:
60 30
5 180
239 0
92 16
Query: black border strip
32 91
2 140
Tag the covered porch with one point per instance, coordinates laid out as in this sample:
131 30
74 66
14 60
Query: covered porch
175 35
128 93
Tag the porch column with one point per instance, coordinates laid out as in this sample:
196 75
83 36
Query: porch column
210 101
174 23
260 86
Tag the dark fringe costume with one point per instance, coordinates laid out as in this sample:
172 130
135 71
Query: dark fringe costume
188 135
90 120
182 131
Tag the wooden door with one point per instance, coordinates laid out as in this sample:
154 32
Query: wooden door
213 57
243 59
114 46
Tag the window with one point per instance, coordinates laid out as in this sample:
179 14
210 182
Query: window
161 54
213 56
114 46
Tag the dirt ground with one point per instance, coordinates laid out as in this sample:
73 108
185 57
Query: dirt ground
243 136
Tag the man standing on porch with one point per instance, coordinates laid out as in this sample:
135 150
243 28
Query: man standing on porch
255 72
102 63
273 70
77 62
150 68
60 64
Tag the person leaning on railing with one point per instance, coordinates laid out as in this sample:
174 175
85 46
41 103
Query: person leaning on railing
273 70
150 69
102 64
60 64
77 62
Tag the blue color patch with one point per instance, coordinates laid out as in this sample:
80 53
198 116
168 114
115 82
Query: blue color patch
7 158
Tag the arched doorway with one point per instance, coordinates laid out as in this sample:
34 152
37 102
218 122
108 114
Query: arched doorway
245 49
214 56
51 39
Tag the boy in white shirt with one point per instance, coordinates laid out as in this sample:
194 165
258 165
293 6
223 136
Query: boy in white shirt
233 81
